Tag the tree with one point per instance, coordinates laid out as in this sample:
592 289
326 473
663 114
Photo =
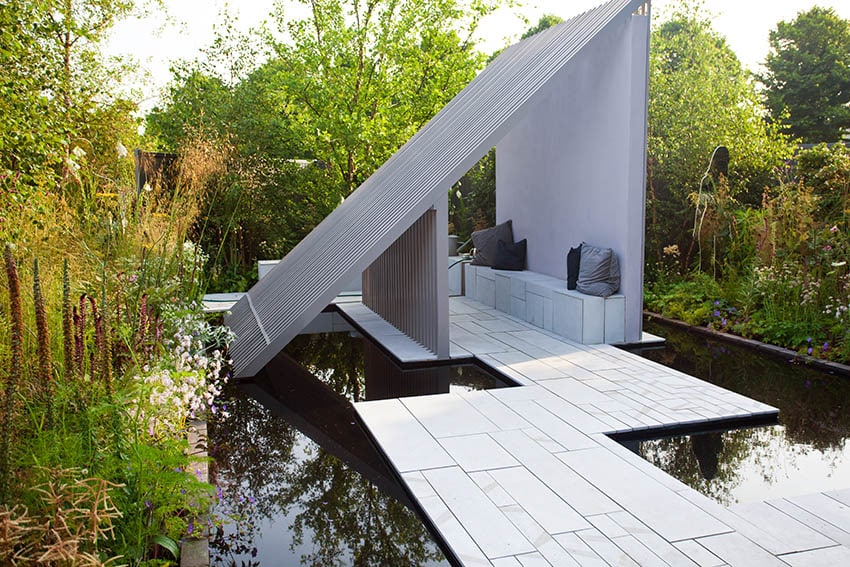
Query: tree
58 93
353 82
28 135
546 21
359 79
700 98
807 75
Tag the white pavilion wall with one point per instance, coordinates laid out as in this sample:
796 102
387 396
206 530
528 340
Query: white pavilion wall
573 169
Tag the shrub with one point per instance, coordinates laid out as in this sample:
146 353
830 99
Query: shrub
113 301
785 278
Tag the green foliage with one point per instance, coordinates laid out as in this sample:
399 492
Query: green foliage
95 451
545 22
690 300
715 228
827 171
784 276
472 200
58 92
142 480
96 425
699 98
350 85
196 102
359 80
30 136
807 75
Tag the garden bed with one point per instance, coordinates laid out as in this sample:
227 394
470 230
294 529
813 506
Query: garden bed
788 354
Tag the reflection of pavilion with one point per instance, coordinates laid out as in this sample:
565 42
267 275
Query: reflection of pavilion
287 389
385 379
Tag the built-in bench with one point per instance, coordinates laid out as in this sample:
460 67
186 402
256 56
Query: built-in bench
546 302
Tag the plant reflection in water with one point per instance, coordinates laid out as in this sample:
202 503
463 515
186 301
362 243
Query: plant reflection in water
301 477
807 452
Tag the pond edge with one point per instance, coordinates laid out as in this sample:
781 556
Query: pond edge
195 552
777 351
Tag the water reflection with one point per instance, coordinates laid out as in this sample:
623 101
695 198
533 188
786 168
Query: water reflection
706 448
303 479
807 452
296 470
359 370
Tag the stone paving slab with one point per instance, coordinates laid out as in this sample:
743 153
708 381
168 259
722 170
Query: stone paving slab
529 476
789 534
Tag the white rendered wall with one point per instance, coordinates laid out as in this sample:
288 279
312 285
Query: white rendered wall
573 169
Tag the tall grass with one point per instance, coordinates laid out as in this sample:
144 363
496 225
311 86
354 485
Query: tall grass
93 465
780 272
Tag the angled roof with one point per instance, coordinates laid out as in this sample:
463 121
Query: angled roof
280 305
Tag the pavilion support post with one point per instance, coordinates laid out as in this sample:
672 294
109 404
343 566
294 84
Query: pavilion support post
408 284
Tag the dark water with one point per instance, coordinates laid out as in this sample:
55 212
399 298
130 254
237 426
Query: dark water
304 482
807 452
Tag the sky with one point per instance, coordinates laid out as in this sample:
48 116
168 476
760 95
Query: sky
190 27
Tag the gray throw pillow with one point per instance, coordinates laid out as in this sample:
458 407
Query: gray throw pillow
599 271
486 242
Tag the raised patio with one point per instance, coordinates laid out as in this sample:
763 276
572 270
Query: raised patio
530 475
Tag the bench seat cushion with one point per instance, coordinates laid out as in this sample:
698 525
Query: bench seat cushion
545 302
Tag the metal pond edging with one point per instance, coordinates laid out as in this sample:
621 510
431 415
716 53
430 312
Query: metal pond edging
773 350
710 426
195 551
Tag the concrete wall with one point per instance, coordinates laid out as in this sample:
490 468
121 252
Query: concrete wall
573 168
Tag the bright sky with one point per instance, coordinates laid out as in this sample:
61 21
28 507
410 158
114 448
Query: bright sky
745 23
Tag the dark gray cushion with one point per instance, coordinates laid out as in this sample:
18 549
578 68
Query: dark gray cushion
486 242
599 271
573 265
510 256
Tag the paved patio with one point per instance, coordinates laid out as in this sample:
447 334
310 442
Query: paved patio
528 476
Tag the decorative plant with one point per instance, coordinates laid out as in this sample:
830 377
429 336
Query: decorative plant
14 373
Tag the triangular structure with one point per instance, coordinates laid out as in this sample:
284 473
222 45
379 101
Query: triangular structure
402 207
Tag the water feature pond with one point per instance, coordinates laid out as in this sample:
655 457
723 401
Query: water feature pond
808 451
298 474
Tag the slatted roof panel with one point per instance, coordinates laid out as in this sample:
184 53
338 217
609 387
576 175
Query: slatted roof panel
280 305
